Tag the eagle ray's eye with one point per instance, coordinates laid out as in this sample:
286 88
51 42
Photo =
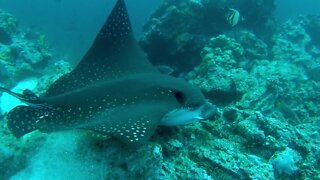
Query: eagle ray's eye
180 97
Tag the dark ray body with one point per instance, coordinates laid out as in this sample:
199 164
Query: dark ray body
114 90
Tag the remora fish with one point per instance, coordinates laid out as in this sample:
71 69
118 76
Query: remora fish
114 90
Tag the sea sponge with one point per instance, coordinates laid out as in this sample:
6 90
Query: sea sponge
285 161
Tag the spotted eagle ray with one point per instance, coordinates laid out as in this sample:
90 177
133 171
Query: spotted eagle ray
114 90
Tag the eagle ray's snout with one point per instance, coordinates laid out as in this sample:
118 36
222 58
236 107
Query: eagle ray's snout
208 111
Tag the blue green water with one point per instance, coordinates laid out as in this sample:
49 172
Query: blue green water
262 73
291 8
70 25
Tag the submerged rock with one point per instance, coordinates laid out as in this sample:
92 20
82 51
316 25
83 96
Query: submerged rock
299 43
8 26
254 48
220 74
277 102
20 57
178 30
232 71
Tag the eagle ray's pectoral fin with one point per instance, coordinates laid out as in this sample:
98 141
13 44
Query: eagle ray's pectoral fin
134 126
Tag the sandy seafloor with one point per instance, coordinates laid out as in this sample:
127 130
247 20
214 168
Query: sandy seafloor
264 76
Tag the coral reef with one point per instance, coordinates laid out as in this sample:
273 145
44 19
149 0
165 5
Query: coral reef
299 43
20 57
231 72
177 31
218 72
8 26
268 96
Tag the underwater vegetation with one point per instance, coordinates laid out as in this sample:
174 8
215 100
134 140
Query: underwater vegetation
266 87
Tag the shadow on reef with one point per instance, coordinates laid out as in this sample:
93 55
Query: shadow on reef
178 30
221 97
5 38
